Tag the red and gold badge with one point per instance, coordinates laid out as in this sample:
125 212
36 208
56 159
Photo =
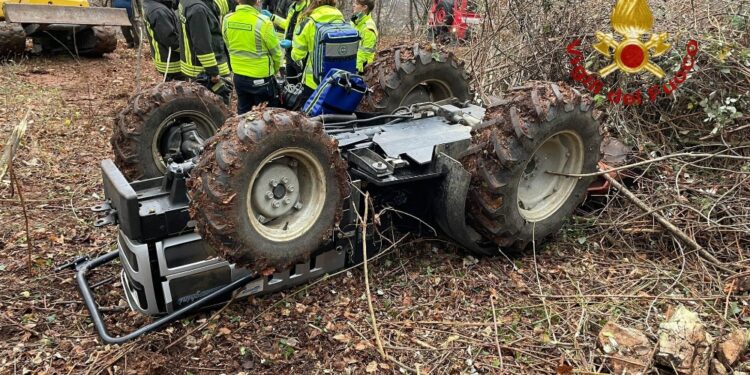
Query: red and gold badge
632 20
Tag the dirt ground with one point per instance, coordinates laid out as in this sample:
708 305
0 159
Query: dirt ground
438 309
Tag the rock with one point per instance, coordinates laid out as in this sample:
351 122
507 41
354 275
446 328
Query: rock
717 368
629 349
684 344
733 346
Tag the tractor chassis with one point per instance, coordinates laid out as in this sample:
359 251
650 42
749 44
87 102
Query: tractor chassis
168 270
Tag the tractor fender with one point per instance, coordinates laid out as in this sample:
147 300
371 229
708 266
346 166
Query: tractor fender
450 203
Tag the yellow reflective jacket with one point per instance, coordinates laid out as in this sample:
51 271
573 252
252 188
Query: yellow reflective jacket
368 32
252 44
303 43
289 23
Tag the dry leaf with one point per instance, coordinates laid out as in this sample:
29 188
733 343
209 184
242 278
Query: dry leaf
362 345
450 339
224 331
341 337
372 367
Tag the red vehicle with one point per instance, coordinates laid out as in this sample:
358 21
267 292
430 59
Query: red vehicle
452 19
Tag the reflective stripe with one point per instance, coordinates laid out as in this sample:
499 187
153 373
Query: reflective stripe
258 36
299 46
208 60
246 54
223 6
224 69
365 49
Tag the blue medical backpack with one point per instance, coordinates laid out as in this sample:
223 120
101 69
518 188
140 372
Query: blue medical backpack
336 45
339 92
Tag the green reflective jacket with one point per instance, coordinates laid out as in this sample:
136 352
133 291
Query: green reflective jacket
368 31
304 39
292 16
253 47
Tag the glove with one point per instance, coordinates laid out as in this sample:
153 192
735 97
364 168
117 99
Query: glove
285 44
267 13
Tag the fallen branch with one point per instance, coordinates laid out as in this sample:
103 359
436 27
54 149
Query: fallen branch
367 278
668 225
650 161
12 144
29 243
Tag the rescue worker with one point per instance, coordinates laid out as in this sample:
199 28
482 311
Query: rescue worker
255 55
164 36
368 32
303 44
289 24
202 52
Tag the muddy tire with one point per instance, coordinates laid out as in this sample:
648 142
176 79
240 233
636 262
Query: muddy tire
413 74
138 136
97 41
12 40
268 190
105 41
537 128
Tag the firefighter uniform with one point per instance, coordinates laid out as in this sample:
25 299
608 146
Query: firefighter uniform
163 29
303 43
368 32
202 48
255 56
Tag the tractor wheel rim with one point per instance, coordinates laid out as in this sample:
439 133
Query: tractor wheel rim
286 194
541 194
427 91
205 127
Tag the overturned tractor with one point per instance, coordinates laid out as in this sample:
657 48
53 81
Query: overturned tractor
275 198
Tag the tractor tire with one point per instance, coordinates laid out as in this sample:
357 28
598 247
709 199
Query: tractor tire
139 128
12 39
407 75
268 190
97 41
90 42
536 128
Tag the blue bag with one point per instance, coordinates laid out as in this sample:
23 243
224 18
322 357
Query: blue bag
336 46
340 92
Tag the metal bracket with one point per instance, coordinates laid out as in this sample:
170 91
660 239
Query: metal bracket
102 207
370 162
110 219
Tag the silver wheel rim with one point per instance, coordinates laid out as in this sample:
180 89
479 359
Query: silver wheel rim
541 194
206 128
286 195
427 91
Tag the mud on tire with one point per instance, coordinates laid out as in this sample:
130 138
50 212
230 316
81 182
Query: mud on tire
139 127
101 40
412 74
12 39
531 130
268 190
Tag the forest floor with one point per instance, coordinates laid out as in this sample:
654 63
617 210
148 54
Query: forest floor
438 309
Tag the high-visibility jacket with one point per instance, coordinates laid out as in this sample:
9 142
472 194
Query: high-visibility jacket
292 16
303 43
164 36
368 32
202 46
253 47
